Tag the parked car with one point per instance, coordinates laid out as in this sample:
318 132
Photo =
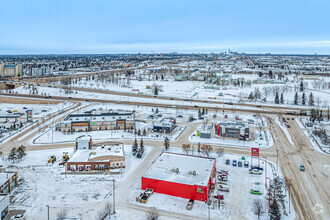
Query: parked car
223 187
190 204
246 164
224 172
292 118
240 164
227 161
196 106
70 97
287 124
234 163
171 98
24 107
256 192
302 167
180 116
255 171
18 217
87 100
259 106
219 197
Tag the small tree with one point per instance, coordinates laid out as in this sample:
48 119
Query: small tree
141 147
199 113
311 100
220 151
258 208
62 214
108 208
157 111
144 132
135 146
166 143
186 148
303 99
21 152
282 99
139 132
13 154
277 101
206 149
199 147
152 214
251 96
295 101
301 86
275 213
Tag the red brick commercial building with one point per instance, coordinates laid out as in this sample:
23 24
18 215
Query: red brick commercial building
181 175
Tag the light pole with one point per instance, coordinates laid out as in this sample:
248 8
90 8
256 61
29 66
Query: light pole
289 185
269 195
47 211
209 204
277 158
114 198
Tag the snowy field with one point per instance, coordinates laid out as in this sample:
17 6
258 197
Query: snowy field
83 196
197 90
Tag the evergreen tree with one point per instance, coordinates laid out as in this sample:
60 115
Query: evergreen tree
206 111
13 154
157 111
301 86
277 101
275 213
303 99
295 101
203 111
21 152
166 143
144 132
135 146
199 113
139 132
156 91
141 147
311 100
251 96
282 99
199 147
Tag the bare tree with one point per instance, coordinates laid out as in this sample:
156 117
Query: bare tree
108 208
186 148
62 214
220 151
152 214
258 208
206 149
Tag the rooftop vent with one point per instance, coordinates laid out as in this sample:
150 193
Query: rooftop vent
192 172
175 170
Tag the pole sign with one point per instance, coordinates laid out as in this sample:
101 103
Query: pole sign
254 152
29 115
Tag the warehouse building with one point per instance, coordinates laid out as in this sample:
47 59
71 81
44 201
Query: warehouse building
99 157
166 125
181 175
232 129
8 181
97 122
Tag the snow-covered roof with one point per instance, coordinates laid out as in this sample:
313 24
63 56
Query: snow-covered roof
104 151
165 122
165 167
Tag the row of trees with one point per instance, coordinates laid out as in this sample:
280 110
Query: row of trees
138 149
302 100
17 154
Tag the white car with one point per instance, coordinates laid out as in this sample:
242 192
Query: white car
18 217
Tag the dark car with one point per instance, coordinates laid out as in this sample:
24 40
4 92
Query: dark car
24 107
302 167
180 116
70 97
227 161
240 163
259 106
196 106
171 98
47 97
87 100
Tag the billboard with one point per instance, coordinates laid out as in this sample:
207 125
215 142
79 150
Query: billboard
254 152
29 115
121 122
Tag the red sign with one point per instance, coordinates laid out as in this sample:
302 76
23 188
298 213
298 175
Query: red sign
255 152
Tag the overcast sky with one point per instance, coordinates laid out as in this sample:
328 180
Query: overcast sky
133 26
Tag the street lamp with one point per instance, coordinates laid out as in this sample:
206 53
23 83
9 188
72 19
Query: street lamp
114 198
209 204
47 211
269 195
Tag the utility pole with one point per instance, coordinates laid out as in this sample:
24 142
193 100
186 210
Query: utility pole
114 198
289 185
47 211
277 158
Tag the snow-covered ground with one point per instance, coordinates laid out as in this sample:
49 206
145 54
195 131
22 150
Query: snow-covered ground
83 196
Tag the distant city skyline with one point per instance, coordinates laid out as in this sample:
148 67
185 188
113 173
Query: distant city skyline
184 26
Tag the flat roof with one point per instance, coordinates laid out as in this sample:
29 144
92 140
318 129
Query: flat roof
4 176
162 169
165 122
87 154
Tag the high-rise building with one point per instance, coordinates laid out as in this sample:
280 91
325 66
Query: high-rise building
11 70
